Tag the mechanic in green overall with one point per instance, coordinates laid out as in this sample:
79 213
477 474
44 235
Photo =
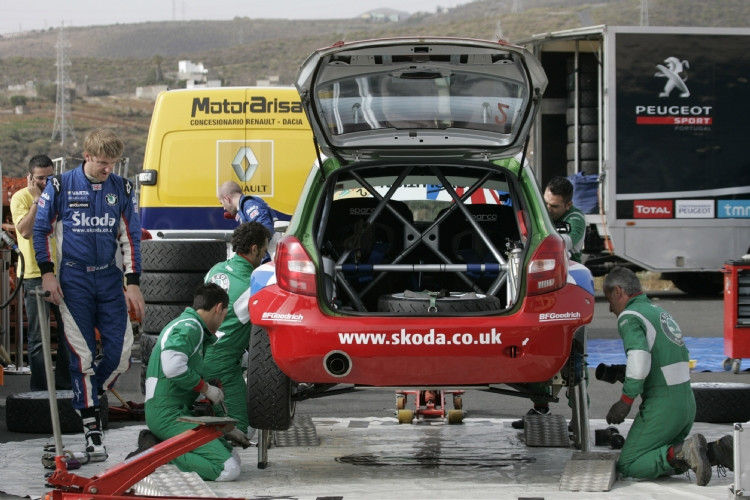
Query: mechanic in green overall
657 370
223 360
558 198
174 382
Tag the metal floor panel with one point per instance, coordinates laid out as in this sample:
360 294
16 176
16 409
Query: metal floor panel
169 481
546 430
589 472
301 433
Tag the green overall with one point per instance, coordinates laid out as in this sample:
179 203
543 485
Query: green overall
173 381
658 371
223 358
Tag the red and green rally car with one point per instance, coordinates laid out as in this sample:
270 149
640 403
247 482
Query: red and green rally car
420 253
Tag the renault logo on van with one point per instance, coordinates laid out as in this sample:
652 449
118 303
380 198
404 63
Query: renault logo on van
245 173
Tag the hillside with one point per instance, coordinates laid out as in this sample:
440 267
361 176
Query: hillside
115 59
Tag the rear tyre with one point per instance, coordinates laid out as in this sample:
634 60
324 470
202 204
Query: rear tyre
269 390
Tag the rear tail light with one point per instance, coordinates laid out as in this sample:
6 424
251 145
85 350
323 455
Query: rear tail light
295 271
548 267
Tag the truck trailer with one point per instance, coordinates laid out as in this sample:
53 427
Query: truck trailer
648 124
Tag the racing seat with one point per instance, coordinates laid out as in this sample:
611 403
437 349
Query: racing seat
461 243
351 239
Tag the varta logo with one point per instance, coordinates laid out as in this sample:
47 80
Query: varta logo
257 104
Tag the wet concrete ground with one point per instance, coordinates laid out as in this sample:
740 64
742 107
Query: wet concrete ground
374 458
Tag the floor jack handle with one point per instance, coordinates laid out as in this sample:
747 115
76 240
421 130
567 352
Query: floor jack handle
47 351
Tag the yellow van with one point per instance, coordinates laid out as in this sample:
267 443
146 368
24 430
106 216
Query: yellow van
258 137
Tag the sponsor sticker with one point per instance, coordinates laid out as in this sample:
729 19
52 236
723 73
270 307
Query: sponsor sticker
286 317
733 209
652 209
694 209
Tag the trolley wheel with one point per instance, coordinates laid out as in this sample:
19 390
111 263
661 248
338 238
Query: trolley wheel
405 416
458 402
455 416
727 364
400 402
736 364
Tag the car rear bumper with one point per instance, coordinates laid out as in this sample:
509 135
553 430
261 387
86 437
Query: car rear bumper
528 346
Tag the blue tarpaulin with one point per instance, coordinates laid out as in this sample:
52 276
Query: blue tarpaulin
708 352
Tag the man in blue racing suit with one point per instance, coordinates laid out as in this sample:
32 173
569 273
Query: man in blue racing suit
93 215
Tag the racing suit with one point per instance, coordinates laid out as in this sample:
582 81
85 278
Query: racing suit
254 209
173 382
657 370
223 358
577 221
90 222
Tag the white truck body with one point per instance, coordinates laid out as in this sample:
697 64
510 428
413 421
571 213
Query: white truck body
659 114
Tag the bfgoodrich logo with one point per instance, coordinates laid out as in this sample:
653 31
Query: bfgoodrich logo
734 209
694 209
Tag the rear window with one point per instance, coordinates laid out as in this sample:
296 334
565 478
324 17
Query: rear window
423 99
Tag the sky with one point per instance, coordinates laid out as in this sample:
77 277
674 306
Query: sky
26 15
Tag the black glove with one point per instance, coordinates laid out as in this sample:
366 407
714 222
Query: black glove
618 412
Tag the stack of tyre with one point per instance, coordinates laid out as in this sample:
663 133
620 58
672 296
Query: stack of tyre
172 269
586 118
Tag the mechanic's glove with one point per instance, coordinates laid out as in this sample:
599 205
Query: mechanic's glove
618 412
236 436
213 393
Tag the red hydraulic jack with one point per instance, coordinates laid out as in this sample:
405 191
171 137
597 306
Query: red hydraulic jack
115 482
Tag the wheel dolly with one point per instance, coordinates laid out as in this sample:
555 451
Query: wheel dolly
429 403
115 482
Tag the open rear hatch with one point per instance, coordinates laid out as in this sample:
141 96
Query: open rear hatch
402 97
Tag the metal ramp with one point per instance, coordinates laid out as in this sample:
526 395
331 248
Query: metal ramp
549 431
169 481
587 471
301 433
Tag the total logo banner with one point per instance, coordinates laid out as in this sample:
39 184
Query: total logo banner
678 209
691 209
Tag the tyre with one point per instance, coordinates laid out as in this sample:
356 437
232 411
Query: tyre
586 81
170 287
721 403
586 99
181 255
586 133
701 284
586 167
269 390
586 151
586 116
148 341
455 303
28 412
156 316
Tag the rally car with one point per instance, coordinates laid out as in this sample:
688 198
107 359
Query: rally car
420 253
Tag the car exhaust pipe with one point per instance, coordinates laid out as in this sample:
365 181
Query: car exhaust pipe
337 363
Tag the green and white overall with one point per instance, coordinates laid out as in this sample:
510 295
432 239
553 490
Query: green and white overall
223 358
658 371
173 382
